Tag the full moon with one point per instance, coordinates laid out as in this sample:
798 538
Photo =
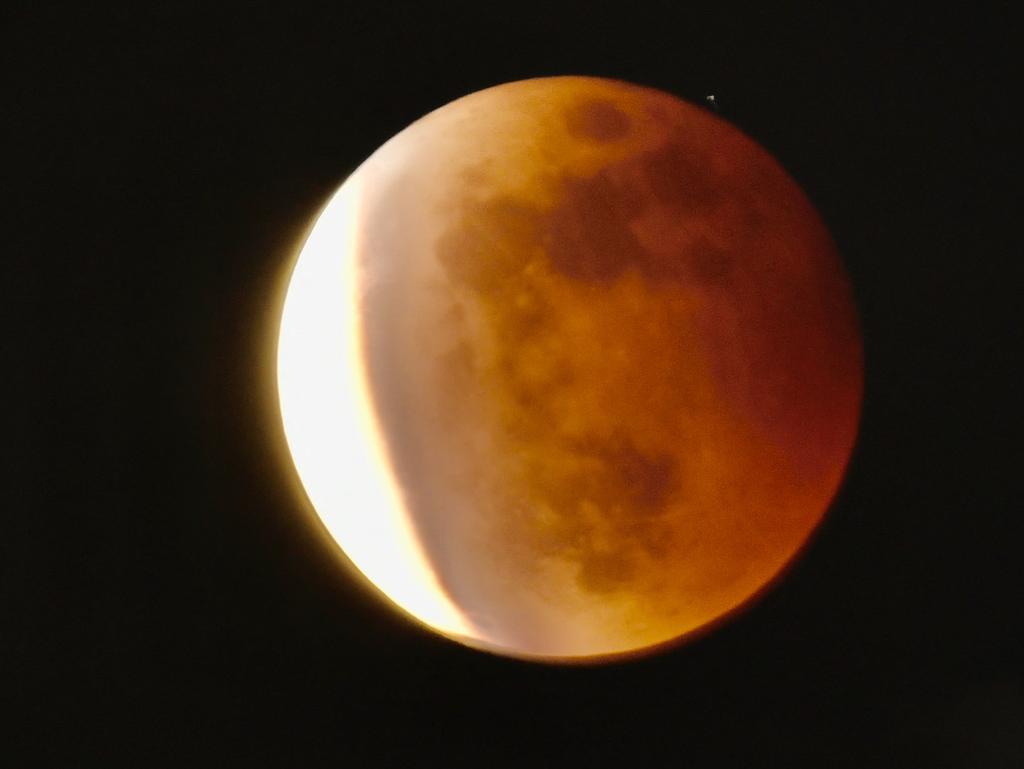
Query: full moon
569 369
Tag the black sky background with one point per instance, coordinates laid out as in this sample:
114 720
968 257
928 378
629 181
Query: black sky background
164 597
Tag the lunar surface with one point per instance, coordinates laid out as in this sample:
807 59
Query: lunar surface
570 368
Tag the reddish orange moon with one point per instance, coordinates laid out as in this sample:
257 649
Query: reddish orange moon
570 369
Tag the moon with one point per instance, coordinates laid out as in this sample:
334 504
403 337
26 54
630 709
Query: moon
570 369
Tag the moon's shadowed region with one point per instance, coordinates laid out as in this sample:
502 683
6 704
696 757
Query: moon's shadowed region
614 357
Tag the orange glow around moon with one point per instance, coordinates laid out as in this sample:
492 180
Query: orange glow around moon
569 368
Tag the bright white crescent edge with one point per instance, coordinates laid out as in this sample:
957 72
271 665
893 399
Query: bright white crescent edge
330 425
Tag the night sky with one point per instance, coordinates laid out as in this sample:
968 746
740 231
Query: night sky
165 597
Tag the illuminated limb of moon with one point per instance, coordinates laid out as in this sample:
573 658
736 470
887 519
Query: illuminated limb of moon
329 425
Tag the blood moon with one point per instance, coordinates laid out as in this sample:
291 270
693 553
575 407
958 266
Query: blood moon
570 368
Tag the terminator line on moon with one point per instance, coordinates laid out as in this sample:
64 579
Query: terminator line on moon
569 368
